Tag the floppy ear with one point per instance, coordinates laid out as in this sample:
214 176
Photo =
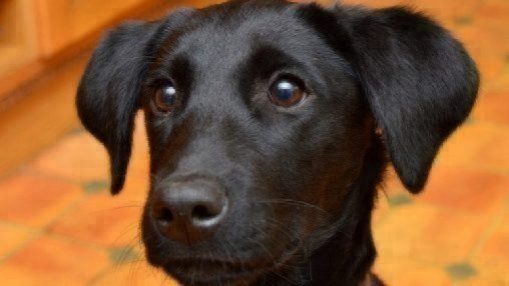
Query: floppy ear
418 80
108 93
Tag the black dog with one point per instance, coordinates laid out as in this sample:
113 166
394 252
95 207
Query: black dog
270 125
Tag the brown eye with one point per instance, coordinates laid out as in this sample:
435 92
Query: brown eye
286 93
165 99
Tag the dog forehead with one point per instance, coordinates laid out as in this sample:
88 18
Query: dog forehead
223 40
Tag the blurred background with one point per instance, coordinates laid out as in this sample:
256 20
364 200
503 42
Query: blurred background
59 225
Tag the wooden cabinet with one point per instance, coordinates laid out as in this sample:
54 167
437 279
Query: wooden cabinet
18 37
38 35
62 23
44 47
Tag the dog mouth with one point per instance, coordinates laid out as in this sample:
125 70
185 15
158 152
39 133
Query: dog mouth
206 271
213 272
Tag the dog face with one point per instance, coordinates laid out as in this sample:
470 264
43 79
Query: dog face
259 115
228 121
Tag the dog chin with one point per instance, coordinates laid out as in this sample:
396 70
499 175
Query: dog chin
204 271
211 273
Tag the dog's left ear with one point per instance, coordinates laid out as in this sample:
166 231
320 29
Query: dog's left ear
108 93
418 80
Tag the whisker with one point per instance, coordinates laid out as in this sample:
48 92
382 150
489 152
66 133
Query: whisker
291 202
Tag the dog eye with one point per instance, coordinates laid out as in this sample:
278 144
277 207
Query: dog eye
286 93
165 99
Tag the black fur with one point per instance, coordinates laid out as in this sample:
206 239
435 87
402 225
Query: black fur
301 181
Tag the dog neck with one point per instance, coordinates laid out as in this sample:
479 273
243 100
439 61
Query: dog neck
346 258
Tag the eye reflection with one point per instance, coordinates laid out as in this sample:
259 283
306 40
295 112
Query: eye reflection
286 93
166 98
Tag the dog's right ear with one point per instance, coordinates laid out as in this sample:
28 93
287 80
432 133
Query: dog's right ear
109 91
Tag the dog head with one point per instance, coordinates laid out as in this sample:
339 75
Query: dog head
259 115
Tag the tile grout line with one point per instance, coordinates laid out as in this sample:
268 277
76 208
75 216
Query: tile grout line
65 211
114 266
20 226
45 230
34 171
109 269
39 231
21 167
489 122
485 235
502 172
15 250
429 263
495 222
100 275
416 201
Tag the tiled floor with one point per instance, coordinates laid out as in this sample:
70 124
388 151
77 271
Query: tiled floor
59 226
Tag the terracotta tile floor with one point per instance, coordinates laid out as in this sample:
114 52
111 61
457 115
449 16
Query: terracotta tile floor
59 226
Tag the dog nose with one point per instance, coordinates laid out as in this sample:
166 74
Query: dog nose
189 212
